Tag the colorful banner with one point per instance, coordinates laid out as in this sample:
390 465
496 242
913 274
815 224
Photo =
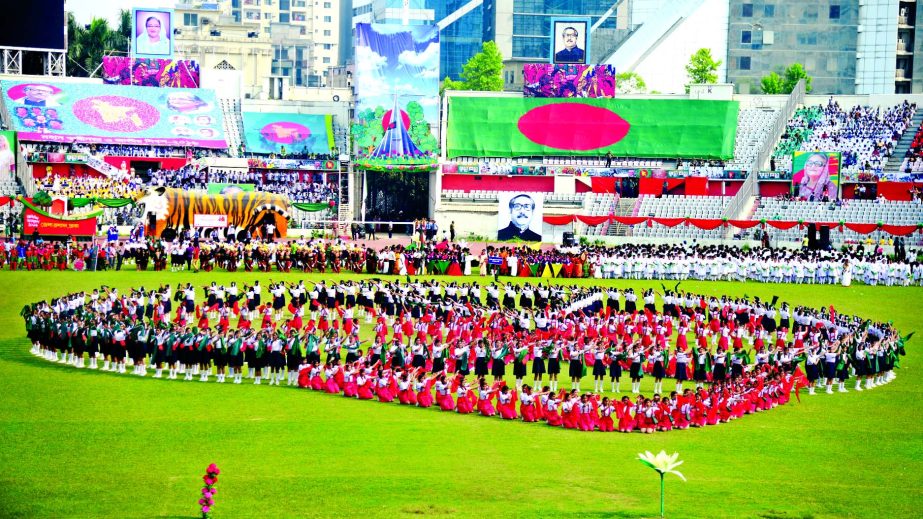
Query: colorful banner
224 188
112 114
302 164
486 167
531 127
8 152
152 72
519 216
56 158
397 69
48 226
548 80
816 174
152 33
304 134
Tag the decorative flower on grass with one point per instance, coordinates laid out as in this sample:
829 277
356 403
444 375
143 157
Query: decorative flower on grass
208 491
664 464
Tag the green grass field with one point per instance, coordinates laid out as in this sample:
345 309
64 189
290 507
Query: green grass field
79 443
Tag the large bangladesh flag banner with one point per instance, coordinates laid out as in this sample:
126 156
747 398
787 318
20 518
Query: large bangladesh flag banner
517 127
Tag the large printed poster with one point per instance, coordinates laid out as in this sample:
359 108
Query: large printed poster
397 91
8 152
152 33
110 114
816 174
266 133
519 216
570 40
548 80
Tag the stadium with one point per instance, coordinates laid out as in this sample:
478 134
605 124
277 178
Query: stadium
233 288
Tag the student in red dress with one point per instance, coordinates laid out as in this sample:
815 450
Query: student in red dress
551 411
506 403
527 404
443 393
605 415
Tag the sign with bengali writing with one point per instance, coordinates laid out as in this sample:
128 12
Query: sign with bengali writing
48 226
112 114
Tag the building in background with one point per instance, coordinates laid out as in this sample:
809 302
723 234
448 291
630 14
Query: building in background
656 38
304 34
847 46
522 30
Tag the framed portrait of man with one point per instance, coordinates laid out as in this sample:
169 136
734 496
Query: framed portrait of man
152 33
570 40
519 216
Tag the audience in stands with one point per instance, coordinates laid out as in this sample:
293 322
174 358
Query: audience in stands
864 135
91 187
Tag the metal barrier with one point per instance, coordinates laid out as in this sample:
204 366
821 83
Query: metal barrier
795 99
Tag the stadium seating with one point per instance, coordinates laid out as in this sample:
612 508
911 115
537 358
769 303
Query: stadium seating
857 211
680 207
480 196
864 135
753 127
233 124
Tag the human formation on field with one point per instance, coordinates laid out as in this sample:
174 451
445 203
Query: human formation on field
727 356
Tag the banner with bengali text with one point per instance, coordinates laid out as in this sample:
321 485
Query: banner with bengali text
113 114
46 225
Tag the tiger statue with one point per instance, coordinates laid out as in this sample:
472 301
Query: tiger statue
246 210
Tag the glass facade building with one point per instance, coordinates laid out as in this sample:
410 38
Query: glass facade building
531 23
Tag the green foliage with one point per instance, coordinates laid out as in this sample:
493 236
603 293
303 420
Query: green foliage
772 84
86 45
75 441
42 199
702 68
483 72
630 83
792 74
367 130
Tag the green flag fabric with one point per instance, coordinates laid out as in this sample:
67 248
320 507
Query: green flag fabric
530 126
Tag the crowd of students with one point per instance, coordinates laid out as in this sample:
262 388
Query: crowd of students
426 340
637 262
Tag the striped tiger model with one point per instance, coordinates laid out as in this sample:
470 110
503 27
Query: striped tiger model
176 208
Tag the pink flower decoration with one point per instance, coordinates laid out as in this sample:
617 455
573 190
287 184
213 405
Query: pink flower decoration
205 509
202 501
206 495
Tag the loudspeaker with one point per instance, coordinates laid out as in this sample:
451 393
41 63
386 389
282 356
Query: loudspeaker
569 240
812 236
823 241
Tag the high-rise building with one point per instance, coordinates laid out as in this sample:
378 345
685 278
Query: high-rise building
846 46
461 40
305 34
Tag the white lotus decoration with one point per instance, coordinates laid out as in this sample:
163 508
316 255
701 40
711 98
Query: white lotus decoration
664 464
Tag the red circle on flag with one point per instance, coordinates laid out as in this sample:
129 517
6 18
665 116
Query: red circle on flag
386 120
573 126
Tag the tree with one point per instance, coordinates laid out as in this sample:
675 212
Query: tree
483 72
88 44
792 74
772 84
630 83
702 68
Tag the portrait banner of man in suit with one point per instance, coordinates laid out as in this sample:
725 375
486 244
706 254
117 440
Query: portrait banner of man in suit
570 40
519 216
